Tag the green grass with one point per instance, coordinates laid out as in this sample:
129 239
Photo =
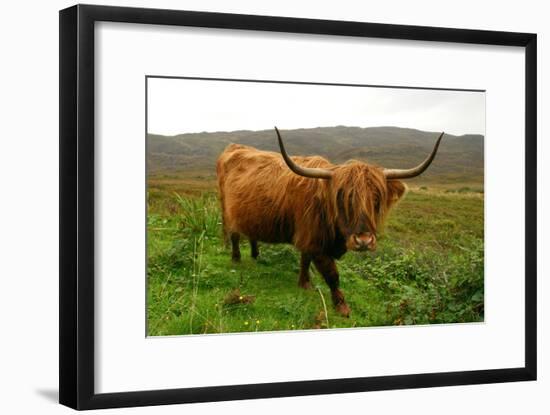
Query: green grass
428 269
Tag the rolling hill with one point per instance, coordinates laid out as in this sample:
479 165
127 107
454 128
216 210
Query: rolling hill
460 158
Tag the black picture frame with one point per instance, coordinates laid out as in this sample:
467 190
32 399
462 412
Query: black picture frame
76 279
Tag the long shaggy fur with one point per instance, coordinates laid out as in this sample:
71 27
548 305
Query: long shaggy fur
264 200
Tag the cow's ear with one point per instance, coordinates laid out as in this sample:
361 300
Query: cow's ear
396 190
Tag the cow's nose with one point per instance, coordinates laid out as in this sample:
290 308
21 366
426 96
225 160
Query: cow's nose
365 241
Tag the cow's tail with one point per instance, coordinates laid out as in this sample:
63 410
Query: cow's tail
220 173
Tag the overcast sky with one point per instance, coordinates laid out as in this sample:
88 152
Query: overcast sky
178 106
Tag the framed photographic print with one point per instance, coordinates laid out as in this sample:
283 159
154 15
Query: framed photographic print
258 206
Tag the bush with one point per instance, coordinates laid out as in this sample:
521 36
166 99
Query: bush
421 288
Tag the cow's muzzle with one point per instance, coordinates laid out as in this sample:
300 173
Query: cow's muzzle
362 242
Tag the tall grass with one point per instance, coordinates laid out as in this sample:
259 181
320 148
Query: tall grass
199 214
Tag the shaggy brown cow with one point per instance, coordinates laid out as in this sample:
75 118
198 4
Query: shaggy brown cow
321 208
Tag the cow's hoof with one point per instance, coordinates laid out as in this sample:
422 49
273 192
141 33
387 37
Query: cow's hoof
343 309
306 285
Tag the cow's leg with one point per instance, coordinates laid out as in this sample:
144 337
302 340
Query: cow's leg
304 280
235 251
254 249
327 268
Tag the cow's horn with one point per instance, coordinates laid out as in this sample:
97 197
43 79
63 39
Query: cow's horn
415 171
314 173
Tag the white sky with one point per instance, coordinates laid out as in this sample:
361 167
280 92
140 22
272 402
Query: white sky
178 106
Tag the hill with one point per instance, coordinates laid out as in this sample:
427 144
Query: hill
460 158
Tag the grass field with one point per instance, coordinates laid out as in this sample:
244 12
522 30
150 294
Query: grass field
428 267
